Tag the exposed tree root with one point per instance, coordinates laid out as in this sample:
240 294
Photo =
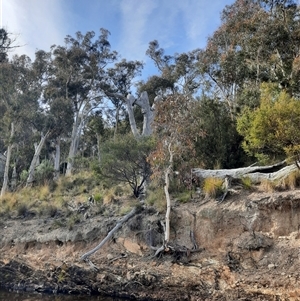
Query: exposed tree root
177 251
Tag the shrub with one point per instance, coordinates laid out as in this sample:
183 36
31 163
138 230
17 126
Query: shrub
74 219
23 176
22 210
44 172
212 187
184 197
98 197
157 198
247 183
49 210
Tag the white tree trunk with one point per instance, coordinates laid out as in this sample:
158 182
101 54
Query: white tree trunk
38 159
57 159
255 173
13 182
76 132
167 194
143 102
130 102
168 199
8 155
35 159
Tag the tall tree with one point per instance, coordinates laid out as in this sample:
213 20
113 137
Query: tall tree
220 147
250 48
175 133
76 70
6 44
19 99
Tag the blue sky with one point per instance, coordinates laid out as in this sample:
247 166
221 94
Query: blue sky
178 25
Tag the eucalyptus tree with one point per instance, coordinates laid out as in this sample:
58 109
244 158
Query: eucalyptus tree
76 70
19 100
6 44
175 132
118 84
178 73
250 47
95 132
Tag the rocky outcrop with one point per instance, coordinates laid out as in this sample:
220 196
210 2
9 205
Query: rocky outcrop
248 250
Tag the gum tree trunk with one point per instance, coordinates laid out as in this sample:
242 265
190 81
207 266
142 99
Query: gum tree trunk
167 194
8 155
35 159
76 133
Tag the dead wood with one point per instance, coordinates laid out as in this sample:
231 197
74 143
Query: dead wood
275 172
110 234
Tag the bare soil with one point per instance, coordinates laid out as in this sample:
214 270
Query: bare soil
248 250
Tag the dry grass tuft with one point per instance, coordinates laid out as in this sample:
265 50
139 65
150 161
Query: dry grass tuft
291 181
212 187
109 197
157 198
267 186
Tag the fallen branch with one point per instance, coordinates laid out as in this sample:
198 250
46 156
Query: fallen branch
275 172
110 234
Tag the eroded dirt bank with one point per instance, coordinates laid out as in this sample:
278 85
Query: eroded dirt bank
249 251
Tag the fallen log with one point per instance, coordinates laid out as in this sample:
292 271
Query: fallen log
275 172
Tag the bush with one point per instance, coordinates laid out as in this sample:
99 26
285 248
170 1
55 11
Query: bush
23 176
22 210
44 172
98 197
247 183
212 187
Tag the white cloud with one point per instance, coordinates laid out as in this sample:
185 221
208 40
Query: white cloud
201 19
135 19
177 25
36 24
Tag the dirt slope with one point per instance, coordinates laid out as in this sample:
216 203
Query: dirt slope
248 250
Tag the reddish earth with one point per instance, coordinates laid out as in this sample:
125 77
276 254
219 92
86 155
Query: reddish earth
249 250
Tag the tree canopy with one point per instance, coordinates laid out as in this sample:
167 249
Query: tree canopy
219 106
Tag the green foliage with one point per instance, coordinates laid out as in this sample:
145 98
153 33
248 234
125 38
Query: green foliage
156 197
220 147
98 197
125 160
73 219
44 172
247 183
23 176
48 210
272 130
183 197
